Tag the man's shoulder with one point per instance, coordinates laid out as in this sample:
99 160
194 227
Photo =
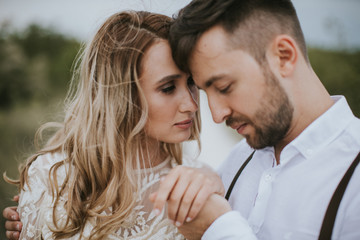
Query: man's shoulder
354 130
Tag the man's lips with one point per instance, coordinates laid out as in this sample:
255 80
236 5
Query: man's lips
239 127
184 124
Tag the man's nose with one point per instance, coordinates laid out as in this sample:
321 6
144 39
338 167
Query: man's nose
219 109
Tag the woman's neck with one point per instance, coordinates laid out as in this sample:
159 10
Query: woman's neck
152 154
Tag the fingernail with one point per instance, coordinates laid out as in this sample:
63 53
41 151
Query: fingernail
188 219
156 211
13 217
18 227
178 224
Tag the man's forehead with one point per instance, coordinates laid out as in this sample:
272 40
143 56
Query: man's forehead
211 42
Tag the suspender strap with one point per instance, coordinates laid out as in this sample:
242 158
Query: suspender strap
330 215
227 196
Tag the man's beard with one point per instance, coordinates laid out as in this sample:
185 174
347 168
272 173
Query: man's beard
273 118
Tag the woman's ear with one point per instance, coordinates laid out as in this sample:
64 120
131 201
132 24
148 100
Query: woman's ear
284 53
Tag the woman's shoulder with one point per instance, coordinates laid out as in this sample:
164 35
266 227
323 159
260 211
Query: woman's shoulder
43 163
48 159
38 171
36 196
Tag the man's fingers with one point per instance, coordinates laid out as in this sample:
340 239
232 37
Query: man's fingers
11 214
16 198
13 226
12 235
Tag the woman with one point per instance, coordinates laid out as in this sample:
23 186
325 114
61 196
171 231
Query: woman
122 132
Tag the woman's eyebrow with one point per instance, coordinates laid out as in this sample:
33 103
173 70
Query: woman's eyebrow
169 78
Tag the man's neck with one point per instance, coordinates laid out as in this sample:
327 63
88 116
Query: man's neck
300 122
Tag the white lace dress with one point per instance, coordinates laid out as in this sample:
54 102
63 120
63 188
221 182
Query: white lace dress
35 205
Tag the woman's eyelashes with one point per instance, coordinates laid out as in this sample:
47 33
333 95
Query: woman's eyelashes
168 88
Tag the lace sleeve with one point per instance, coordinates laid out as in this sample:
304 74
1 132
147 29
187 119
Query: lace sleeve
34 199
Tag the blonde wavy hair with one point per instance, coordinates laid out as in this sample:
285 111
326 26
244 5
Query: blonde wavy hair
103 131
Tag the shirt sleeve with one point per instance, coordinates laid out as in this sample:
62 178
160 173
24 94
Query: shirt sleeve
230 226
32 202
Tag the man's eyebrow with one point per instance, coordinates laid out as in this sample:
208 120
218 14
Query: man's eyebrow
169 78
213 79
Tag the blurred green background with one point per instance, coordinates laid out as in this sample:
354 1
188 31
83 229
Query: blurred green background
35 68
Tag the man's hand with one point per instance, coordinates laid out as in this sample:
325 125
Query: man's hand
186 190
214 207
12 225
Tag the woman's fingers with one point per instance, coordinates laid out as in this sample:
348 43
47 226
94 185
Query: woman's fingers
186 190
194 199
162 195
180 198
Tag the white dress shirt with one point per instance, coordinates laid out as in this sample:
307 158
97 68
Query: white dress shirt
289 200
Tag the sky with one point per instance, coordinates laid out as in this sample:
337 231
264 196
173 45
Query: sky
325 23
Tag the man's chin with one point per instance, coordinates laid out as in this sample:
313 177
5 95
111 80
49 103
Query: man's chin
254 143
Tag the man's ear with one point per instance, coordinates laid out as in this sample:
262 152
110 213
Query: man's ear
284 53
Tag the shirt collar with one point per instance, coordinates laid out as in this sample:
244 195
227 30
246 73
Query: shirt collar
324 129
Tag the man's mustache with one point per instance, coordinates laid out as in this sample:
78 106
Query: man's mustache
236 119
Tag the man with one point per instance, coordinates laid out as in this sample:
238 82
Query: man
250 58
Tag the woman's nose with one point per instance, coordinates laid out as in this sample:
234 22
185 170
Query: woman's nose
189 101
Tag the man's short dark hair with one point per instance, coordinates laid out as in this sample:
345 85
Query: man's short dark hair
250 25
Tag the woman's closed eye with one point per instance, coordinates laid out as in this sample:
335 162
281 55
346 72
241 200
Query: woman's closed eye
168 88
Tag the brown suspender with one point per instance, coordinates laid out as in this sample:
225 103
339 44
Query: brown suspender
238 175
330 215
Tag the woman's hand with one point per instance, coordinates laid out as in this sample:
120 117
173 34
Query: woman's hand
214 207
12 225
186 190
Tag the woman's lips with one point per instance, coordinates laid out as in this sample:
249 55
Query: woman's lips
184 124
